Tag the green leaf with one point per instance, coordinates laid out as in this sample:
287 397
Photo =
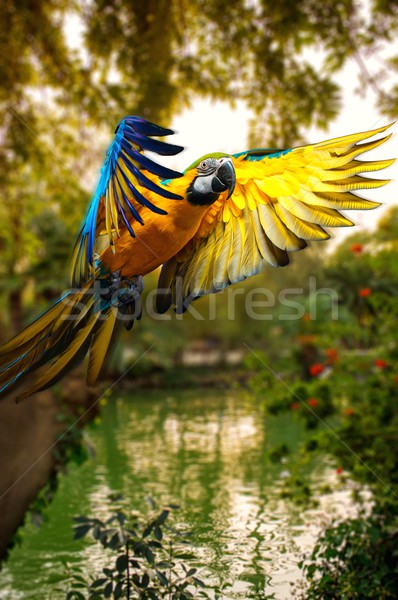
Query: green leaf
147 530
163 564
162 577
162 517
107 572
108 590
114 542
81 531
118 591
199 582
121 517
147 552
122 563
191 572
98 582
134 563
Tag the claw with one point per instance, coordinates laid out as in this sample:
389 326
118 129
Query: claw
130 303
108 293
125 294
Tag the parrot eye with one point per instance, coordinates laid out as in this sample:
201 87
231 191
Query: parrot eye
206 165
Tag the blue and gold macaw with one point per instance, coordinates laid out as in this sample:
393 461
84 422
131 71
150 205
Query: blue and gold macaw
209 227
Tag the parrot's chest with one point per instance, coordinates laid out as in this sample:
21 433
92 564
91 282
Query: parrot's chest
159 239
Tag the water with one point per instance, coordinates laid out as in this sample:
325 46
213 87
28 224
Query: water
208 452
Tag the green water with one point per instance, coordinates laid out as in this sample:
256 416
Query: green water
206 451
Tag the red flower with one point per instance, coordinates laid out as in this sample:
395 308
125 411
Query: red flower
365 292
295 406
312 402
380 363
332 355
316 369
356 248
339 470
396 378
348 411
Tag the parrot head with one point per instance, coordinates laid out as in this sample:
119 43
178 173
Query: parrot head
215 174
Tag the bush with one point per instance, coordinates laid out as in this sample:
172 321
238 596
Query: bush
141 559
355 559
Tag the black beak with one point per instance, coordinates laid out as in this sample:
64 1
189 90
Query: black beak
225 178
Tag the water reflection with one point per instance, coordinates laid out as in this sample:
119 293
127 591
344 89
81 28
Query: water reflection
207 452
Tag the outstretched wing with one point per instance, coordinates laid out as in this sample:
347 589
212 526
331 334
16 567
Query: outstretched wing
282 199
114 205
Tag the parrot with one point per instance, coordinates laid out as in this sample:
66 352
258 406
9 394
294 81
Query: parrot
208 227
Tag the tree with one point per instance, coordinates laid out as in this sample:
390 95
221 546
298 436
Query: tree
164 52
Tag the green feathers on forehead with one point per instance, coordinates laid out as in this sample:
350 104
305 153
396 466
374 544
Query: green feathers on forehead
199 160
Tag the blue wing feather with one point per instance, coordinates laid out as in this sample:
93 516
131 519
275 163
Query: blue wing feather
138 196
146 127
151 185
133 211
149 164
132 135
146 143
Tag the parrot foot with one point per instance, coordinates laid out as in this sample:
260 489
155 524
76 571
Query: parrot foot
113 285
125 294
130 302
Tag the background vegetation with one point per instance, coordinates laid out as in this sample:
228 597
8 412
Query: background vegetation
340 379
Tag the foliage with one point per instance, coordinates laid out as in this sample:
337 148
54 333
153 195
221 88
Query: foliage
147 559
354 559
341 380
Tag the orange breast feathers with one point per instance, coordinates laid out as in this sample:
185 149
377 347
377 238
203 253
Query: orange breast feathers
161 236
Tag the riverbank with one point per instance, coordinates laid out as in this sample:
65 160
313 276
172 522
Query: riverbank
36 440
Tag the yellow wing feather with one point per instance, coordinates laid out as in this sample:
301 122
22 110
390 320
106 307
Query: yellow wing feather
100 345
279 202
63 361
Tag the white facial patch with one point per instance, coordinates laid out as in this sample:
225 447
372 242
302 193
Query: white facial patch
203 184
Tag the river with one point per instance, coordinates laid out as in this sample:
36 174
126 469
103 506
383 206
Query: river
207 451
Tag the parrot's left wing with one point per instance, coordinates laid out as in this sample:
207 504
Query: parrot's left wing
281 199
122 188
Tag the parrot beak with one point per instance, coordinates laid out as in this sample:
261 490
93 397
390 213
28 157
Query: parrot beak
224 178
